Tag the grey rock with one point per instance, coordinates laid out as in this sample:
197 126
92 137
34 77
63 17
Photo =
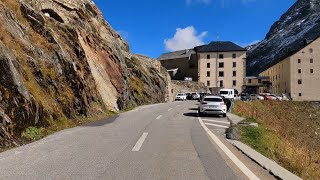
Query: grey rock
233 133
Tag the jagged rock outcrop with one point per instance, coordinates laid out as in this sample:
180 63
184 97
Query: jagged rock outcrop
301 22
60 59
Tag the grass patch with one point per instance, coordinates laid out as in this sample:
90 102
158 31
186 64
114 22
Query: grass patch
288 133
33 133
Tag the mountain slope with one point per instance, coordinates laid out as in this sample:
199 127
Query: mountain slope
287 35
59 59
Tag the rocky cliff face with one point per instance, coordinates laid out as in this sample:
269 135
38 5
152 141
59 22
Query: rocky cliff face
300 22
60 59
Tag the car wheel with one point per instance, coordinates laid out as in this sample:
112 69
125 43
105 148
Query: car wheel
224 115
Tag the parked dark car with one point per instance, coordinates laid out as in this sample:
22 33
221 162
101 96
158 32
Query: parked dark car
189 96
245 97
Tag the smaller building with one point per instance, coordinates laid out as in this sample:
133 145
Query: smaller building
298 74
181 65
256 85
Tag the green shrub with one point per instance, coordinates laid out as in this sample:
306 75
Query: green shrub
33 133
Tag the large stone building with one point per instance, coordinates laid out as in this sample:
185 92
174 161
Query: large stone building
298 74
222 65
218 65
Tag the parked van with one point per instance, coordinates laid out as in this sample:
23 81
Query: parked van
228 93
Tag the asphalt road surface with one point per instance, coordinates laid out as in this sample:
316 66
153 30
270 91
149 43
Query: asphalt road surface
163 141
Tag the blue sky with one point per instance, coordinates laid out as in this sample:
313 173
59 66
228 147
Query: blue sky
153 27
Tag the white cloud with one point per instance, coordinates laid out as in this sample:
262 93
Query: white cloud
184 39
205 2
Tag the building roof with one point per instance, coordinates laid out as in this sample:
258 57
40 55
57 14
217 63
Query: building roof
177 54
221 46
292 52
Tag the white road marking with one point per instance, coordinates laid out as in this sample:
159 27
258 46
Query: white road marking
140 142
233 158
216 125
170 109
224 122
159 117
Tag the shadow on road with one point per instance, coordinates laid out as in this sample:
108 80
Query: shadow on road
193 109
191 114
102 122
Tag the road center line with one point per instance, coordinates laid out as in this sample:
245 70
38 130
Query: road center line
224 122
140 142
233 158
159 117
209 124
170 109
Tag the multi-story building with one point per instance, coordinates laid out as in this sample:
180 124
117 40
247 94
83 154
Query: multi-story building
256 85
222 65
218 65
297 75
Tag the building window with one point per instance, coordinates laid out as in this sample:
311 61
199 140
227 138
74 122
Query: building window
299 81
234 82
221 83
300 94
259 80
311 71
221 56
299 61
208 65
299 71
208 73
234 64
311 60
208 56
234 56
208 83
221 65
221 74
249 81
234 73
311 50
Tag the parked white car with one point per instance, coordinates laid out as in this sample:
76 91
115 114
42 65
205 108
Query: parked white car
275 97
212 105
181 97
227 93
256 97
195 96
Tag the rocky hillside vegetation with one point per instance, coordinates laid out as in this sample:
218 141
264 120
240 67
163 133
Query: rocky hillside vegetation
60 60
301 22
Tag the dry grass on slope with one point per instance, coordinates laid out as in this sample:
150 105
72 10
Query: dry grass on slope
290 133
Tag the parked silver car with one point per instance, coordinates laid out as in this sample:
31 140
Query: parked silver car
256 97
212 105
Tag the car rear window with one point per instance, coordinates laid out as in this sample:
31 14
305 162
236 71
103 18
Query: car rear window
224 92
213 100
180 94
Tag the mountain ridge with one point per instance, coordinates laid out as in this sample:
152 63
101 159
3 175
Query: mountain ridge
301 22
